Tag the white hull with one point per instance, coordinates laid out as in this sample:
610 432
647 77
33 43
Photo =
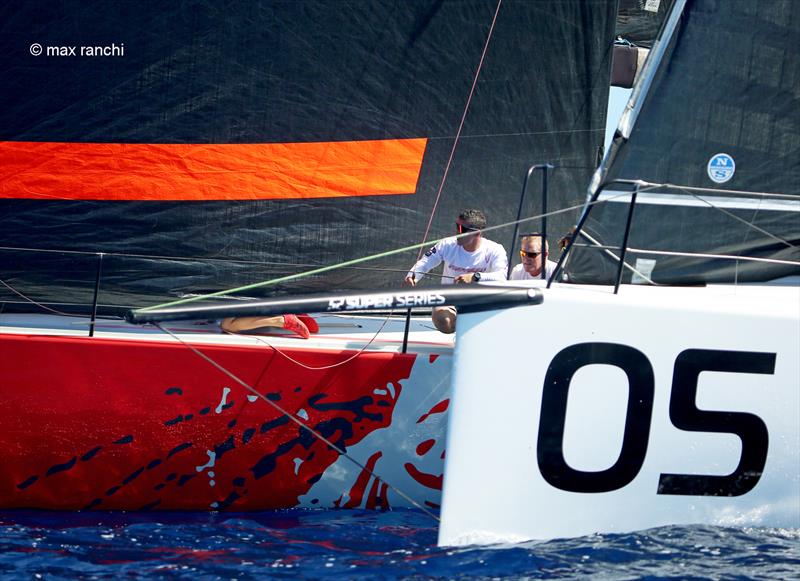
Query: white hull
507 479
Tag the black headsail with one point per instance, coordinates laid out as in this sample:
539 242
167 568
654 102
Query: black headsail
719 109
638 21
329 127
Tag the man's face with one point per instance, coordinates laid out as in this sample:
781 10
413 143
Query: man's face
531 257
462 227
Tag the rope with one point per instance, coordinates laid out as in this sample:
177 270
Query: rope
183 258
648 186
334 365
33 302
609 198
294 419
747 223
460 127
313 272
597 245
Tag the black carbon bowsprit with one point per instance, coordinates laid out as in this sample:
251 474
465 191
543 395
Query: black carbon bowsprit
466 298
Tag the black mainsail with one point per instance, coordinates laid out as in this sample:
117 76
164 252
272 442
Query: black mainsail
254 140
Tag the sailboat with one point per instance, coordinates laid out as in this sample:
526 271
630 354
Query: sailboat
610 400
210 148
672 398
665 389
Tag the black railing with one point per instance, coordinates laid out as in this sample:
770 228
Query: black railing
545 168
636 184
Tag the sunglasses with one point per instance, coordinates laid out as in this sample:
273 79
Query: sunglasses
461 229
525 254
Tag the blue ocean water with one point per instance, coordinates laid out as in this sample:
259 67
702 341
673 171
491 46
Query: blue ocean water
318 544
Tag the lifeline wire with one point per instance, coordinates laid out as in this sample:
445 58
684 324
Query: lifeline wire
40 305
179 258
745 222
647 186
333 365
298 422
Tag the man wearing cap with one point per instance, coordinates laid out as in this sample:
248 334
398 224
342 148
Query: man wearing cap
531 255
468 257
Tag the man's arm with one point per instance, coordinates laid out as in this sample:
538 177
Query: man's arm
431 259
498 265
495 275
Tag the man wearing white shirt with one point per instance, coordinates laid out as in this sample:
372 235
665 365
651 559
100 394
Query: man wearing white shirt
532 258
467 258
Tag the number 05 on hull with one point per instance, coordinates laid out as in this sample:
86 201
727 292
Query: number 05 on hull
613 413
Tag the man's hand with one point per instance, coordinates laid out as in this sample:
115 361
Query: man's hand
410 281
464 278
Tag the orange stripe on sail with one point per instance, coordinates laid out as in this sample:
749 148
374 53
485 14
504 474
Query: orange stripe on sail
253 171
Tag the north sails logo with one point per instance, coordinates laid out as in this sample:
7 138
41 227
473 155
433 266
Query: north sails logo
721 168
388 301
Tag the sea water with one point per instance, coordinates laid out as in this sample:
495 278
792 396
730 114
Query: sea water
350 544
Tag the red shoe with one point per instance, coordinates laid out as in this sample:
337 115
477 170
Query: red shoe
292 323
310 322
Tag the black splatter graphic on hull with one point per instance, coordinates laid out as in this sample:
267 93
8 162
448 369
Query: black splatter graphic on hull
56 468
27 483
91 454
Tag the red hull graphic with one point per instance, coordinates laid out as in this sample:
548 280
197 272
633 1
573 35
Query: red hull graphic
136 425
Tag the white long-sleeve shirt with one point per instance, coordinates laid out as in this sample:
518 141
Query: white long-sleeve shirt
489 259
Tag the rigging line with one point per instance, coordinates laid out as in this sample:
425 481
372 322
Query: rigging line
747 233
460 127
178 258
247 298
722 256
687 189
294 419
330 267
644 187
287 278
749 224
323 367
33 302
615 257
